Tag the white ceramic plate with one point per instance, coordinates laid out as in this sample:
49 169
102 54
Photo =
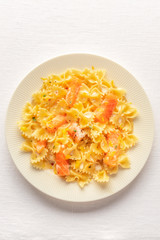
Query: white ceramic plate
46 181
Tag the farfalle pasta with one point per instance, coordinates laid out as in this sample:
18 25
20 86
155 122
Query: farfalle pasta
79 125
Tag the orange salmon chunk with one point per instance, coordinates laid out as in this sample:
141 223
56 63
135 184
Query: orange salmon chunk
40 145
73 93
104 112
57 122
75 132
62 164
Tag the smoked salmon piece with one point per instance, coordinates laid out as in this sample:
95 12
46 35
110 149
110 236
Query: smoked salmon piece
62 164
72 93
113 139
110 161
40 145
56 123
105 111
75 132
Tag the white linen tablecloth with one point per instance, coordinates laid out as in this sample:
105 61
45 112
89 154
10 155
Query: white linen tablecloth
127 32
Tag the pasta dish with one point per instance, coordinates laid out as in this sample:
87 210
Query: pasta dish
79 125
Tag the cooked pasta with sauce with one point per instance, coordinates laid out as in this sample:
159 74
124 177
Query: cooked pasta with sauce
79 125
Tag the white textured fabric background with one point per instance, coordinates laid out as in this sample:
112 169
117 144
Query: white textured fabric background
127 32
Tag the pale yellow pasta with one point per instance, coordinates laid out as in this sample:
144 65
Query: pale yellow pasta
101 176
81 178
42 165
83 166
79 125
124 161
128 141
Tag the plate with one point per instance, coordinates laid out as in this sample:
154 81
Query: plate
46 181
